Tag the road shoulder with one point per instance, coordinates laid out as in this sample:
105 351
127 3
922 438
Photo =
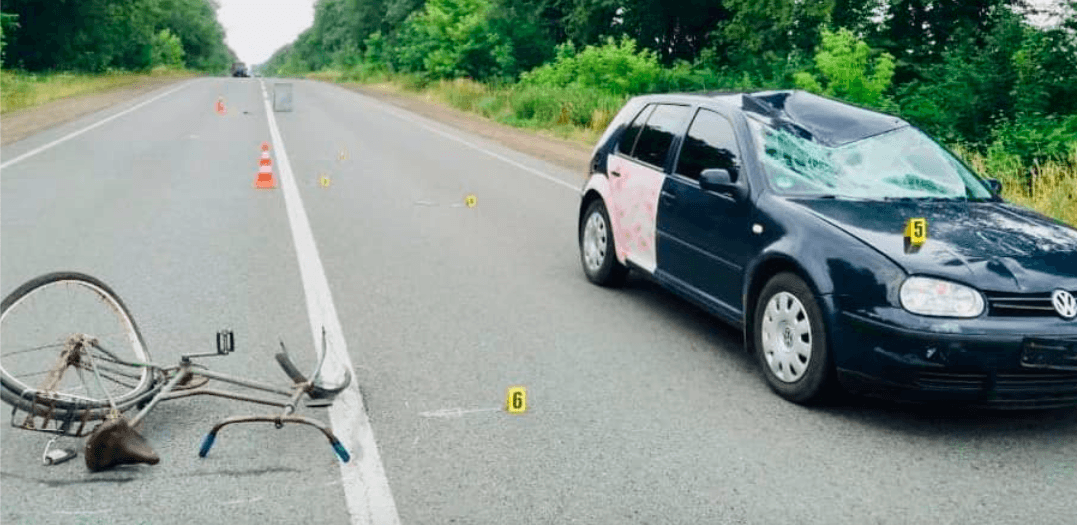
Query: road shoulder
23 123
570 155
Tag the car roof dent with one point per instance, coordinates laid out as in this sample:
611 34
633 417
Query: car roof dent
822 120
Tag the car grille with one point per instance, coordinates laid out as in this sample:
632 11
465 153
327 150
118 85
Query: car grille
1020 305
1014 388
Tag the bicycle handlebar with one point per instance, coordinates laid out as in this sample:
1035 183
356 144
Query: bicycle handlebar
316 391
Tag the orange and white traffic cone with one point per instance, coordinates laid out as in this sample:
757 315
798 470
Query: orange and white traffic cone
265 170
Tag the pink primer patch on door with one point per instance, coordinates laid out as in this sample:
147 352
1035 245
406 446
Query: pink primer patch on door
635 196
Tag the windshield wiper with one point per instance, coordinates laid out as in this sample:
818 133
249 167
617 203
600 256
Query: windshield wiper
832 196
926 199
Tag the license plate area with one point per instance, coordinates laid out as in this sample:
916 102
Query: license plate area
1049 354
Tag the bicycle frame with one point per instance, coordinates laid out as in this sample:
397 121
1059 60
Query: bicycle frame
186 372
174 388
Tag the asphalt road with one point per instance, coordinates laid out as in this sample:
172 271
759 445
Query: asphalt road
641 408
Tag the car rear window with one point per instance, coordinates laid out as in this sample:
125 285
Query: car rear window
657 136
628 139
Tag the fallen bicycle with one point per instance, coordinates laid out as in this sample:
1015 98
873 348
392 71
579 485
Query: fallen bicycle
113 374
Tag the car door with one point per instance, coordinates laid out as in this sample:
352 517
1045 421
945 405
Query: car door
703 236
637 172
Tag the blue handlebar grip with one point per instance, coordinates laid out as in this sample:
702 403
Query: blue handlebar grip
207 443
341 451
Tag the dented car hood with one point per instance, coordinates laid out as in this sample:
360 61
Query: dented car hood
993 246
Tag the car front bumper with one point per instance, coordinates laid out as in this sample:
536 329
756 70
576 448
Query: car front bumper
1002 363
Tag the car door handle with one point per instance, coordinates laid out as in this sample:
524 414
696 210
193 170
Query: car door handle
615 173
668 197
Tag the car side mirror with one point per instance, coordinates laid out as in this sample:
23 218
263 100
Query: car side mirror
719 181
995 185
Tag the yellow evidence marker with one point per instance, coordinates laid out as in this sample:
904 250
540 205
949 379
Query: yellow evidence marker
516 400
324 180
343 154
470 201
916 231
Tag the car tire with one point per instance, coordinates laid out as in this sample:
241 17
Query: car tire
597 249
790 341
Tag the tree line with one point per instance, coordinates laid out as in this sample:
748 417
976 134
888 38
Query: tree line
970 71
101 35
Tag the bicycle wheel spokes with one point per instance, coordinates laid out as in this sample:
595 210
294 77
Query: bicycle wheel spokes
72 325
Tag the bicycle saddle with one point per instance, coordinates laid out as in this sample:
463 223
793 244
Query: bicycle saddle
116 443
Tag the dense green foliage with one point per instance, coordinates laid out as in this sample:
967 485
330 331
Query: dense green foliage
99 35
976 73
849 71
614 67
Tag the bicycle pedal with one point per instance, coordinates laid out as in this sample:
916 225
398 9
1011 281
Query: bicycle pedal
59 455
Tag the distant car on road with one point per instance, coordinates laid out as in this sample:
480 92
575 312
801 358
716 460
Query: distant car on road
239 69
850 247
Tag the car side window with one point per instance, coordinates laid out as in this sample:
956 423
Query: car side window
711 143
628 139
657 136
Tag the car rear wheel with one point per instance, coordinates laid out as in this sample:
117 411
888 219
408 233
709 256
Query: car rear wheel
597 251
790 341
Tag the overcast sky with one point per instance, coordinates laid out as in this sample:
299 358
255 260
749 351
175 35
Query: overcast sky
254 29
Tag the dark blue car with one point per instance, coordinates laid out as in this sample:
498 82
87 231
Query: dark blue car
850 247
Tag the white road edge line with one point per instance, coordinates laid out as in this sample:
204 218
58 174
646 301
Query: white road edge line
74 134
403 116
366 488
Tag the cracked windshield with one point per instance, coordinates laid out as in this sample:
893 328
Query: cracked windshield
895 164
384 262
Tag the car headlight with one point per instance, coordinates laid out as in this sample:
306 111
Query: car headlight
927 296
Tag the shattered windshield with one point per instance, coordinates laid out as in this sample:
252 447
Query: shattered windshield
902 163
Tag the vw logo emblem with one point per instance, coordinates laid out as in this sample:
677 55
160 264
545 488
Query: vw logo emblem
1065 304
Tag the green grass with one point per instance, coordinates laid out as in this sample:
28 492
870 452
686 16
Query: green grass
581 115
1049 188
20 90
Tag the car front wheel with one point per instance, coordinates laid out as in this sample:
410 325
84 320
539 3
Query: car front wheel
597 251
790 340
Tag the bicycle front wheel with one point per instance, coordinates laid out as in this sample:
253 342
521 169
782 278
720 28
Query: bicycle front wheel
69 344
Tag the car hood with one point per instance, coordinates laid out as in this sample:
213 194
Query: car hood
994 245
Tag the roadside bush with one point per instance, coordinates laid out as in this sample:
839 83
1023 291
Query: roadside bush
366 72
346 57
462 93
166 50
574 106
1049 187
1037 138
412 81
476 97
325 75
375 46
849 72
451 38
617 68
682 76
